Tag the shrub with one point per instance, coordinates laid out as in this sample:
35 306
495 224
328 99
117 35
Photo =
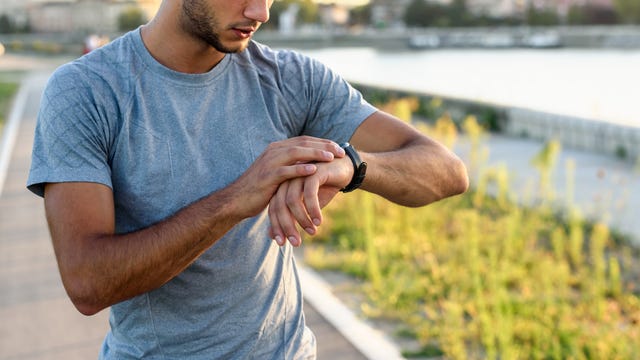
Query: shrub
482 276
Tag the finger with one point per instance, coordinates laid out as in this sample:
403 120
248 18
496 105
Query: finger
275 230
285 218
272 233
303 152
284 173
311 200
312 142
296 206
300 154
282 221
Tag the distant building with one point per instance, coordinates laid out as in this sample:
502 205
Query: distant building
73 15
496 8
388 13
561 7
514 8
16 10
287 20
334 15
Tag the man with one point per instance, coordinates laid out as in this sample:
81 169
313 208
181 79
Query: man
170 158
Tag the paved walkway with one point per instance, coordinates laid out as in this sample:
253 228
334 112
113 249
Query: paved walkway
37 321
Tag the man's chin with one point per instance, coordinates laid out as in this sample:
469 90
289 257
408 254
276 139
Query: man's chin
232 48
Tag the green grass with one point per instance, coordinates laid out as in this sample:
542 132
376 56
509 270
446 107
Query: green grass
481 276
7 91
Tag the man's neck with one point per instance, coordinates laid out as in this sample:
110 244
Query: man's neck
176 50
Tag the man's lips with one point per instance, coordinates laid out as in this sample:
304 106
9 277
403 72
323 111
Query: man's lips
244 32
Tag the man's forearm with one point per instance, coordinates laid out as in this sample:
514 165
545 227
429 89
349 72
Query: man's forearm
417 174
107 268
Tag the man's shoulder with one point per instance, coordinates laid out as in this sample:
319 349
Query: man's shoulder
290 68
258 52
104 69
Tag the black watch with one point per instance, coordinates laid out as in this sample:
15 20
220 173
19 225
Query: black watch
359 168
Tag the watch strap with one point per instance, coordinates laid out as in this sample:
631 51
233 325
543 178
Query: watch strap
359 168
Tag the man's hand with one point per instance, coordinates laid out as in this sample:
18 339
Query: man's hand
405 167
293 158
301 199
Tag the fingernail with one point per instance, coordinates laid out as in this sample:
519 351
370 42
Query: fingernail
309 168
310 231
293 240
340 150
316 222
327 155
278 240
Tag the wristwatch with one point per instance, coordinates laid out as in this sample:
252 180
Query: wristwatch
359 168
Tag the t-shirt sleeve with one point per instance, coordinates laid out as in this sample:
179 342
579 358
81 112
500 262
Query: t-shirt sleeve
332 107
71 136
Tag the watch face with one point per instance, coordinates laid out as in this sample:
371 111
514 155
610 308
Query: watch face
362 169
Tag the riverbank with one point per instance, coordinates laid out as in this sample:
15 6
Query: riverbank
582 97
617 140
578 37
611 37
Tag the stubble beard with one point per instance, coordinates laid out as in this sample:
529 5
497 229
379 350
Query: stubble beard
202 25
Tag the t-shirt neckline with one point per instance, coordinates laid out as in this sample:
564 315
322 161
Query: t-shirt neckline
184 78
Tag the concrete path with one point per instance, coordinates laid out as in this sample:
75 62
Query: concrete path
37 320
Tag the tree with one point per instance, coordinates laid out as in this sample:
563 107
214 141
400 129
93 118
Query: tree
543 16
458 13
307 13
6 24
421 13
130 18
360 15
628 10
591 15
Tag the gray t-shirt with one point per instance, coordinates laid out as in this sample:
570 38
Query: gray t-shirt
161 140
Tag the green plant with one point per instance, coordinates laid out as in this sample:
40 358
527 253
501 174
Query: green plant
482 276
621 152
7 90
130 18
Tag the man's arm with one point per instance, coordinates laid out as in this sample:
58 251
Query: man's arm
404 166
100 268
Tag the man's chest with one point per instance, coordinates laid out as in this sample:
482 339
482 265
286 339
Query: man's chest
163 161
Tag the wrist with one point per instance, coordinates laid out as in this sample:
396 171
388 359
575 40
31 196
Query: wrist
359 168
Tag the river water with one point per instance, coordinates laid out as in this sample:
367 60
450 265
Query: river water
597 84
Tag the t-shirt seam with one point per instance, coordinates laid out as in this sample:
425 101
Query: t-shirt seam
153 325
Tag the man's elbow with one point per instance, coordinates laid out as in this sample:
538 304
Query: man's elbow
459 178
83 298
454 181
87 308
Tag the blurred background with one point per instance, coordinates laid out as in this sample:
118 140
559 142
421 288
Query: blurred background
539 260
